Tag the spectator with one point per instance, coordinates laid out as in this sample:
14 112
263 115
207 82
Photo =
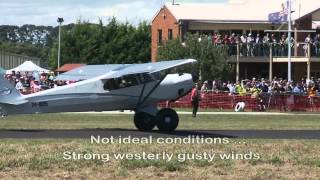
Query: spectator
243 45
266 43
316 43
232 89
250 41
306 46
226 40
218 40
233 43
292 44
19 86
257 45
205 86
283 46
225 88
297 89
275 46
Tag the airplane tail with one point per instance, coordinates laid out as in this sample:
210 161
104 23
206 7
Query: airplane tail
8 93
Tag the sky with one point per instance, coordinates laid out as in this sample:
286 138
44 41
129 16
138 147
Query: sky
46 12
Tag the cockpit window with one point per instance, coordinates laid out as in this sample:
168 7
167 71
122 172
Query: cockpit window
121 82
158 75
145 78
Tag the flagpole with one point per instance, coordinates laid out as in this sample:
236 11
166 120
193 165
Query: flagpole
289 42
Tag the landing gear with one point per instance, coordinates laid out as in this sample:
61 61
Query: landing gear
144 121
167 119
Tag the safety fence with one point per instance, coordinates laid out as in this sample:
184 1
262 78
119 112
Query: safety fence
262 102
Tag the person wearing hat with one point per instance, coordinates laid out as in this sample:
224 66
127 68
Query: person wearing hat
195 99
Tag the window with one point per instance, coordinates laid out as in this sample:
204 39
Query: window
145 78
170 34
159 36
121 82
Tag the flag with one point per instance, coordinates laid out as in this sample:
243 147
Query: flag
281 16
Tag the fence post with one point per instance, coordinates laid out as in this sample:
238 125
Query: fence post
270 63
238 63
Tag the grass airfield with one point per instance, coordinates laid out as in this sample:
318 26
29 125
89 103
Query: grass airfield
43 158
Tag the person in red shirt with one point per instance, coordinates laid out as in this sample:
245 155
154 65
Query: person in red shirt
195 99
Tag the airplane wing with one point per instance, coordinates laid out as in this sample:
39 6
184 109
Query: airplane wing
87 72
153 67
118 70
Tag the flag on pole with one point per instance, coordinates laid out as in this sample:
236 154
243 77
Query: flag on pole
281 16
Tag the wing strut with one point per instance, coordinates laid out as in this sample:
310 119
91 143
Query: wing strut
140 102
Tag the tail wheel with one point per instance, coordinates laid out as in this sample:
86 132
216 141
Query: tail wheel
144 121
167 119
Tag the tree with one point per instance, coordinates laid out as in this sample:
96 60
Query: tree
212 62
115 42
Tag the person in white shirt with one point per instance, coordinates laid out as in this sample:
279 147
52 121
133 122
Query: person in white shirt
306 46
243 45
19 86
250 41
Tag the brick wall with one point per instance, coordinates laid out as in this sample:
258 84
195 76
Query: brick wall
164 21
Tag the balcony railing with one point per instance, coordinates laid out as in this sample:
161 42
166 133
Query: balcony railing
277 49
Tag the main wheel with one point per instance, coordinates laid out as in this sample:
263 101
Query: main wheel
144 121
167 119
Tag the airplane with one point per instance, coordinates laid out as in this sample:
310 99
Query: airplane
137 87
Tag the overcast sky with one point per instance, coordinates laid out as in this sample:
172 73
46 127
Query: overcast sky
45 12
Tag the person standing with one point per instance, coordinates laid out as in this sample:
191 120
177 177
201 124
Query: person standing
250 41
243 45
257 45
266 45
195 99
307 41
316 43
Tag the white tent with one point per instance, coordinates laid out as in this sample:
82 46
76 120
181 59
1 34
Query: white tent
28 66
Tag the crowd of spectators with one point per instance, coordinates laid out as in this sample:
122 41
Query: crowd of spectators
258 86
259 44
31 82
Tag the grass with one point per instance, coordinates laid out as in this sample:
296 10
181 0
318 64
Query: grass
43 158
202 122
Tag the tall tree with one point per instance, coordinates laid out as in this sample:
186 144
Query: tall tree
104 44
212 62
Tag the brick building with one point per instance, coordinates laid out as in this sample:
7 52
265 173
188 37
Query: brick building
238 16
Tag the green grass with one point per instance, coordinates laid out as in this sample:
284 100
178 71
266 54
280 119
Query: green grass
202 122
43 158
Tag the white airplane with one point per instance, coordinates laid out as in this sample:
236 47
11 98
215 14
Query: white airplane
137 87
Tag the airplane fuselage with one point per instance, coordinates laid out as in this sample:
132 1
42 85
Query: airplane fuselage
99 94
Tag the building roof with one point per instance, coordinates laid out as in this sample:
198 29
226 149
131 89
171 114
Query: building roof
68 67
240 10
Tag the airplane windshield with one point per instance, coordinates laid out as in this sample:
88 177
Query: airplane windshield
126 81
121 82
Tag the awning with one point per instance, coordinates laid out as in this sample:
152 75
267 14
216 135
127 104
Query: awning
69 67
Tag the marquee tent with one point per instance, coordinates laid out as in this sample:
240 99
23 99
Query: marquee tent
28 66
